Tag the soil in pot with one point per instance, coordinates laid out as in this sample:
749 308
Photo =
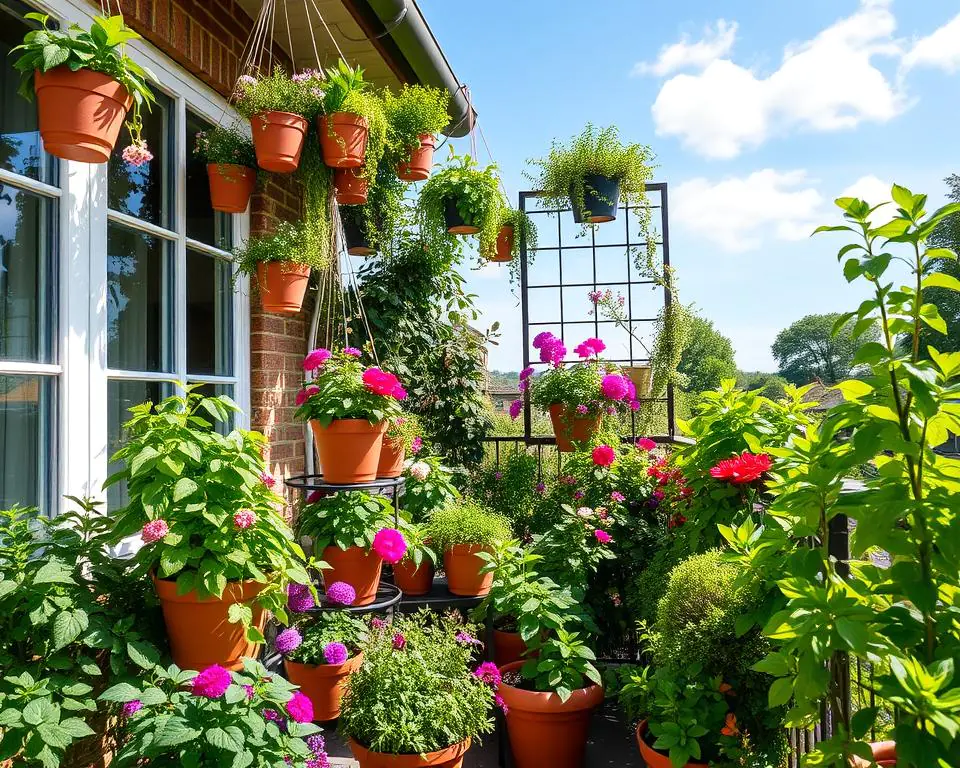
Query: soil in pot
652 757
198 629
454 221
349 449
350 186
504 245
278 140
568 430
451 757
413 580
355 232
230 186
343 139
418 167
323 684
543 730
462 566
283 285
80 113
357 566
391 458
601 198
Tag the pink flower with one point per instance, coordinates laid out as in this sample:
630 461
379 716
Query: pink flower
300 708
377 623
245 518
399 642
577 495
553 351
582 409
380 382
595 296
465 638
248 689
267 479
498 701
602 536
287 641
306 393
131 708
603 455
634 405
352 351
590 348
137 153
398 393
316 358
515 407
212 682
335 653
526 373
341 593
390 545
614 386
543 338
154 531
299 598
617 496
488 673
646 444
245 80
524 385
416 445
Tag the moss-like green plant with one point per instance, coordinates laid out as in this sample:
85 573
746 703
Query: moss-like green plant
414 112
523 230
369 106
226 145
316 179
467 522
286 244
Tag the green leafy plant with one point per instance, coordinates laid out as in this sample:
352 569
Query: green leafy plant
508 487
345 519
561 664
320 629
466 522
385 212
276 91
524 233
341 81
429 487
406 430
419 544
572 548
317 237
285 245
415 111
227 145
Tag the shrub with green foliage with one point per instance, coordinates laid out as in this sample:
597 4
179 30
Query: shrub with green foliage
284 245
227 145
508 488
417 110
276 91
345 519
467 522
318 630
430 489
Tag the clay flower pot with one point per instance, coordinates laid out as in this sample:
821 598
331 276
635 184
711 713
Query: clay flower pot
412 580
349 449
350 186
642 378
283 285
601 197
278 140
80 113
463 570
504 245
451 757
652 757
357 566
391 458
508 647
418 167
323 684
198 629
343 139
567 429
230 186
543 729
454 221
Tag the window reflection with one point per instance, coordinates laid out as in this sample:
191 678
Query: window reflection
26 440
203 223
121 396
209 315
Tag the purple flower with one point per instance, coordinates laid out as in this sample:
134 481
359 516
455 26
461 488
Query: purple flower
578 495
341 593
377 623
316 743
416 444
299 598
399 641
526 373
568 480
130 708
515 407
540 488
524 385
488 673
300 708
248 689
617 496
287 641
465 638
352 351
212 682
498 475
498 701
582 409
335 653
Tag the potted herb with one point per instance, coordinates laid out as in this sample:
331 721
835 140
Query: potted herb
215 544
414 116
414 573
398 440
348 407
594 173
461 531
515 226
353 185
231 167
279 108
414 701
344 127
319 653
84 84
281 265
429 485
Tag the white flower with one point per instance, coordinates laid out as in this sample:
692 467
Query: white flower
420 470
585 512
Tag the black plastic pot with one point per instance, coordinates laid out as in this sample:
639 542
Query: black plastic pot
355 233
601 197
454 221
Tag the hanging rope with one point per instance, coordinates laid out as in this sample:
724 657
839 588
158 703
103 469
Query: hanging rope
329 33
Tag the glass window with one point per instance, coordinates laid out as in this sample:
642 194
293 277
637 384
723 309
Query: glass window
203 223
27 453
209 315
121 396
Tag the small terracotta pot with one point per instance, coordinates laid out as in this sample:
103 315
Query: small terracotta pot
508 647
349 449
350 186
391 458
198 629
456 225
652 757
358 567
545 731
642 378
418 167
504 245
567 430
463 570
343 139
80 113
413 580
283 285
278 140
323 684
451 757
230 186
884 755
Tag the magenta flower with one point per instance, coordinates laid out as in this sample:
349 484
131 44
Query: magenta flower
390 545
617 496
398 393
614 386
582 409
316 359
314 496
515 408
245 518
595 296
553 351
267 479
381 382
540 488
341 593
634 405
577 495
543 338
154 531
590 348
131 708
352 351
300 708
646 444
498 475
248 689
526 373
488 673
305 394
603 455
287 641
299 598
212 682
524 385
377 623
602 536
335 653
399 641
416 445
498 701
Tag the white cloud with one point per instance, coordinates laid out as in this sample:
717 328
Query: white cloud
939 49
869 188
737 213
716 42
827 83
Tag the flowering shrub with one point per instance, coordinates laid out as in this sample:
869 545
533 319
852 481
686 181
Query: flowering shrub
343 389
427 491
301 94
406 430
227 145
572 548
329 637
466 522
345 519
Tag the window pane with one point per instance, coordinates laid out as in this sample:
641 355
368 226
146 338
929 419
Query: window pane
121 396
27 454
203 223
27 286
139 301
216 390
145 191
209 315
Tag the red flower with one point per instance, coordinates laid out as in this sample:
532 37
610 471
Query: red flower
381 383
603 455
745 468
646 444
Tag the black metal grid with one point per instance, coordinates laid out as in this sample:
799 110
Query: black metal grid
656 201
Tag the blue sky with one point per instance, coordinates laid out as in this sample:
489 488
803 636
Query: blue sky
760 114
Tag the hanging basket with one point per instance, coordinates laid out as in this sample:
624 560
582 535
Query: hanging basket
278 140
601 196
350 186
343 139
230 186
505 240
454 221
283 286
355 233
418 167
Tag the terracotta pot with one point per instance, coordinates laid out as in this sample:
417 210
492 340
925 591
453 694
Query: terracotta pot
413 580
652 757
80 113
283 285
463 570
351 187
456 225
323 684
418 167
198 629
451 757
230 186
543 729
349 449
391 458
508 647
278 140
884 755
504 245
343 139
642 378
567 430
358 567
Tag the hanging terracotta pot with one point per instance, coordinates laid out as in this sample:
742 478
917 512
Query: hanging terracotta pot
451 757
391 458
80 113
230 186
413 580
543 729
652 757
463 570
456 225
642 378
278 140
358 567
343 139
567 429
350 186
323 684
508 647
601 196
418 167
504 245
283 285
198 629
349 449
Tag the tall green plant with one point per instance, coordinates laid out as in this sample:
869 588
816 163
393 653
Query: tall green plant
415 111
